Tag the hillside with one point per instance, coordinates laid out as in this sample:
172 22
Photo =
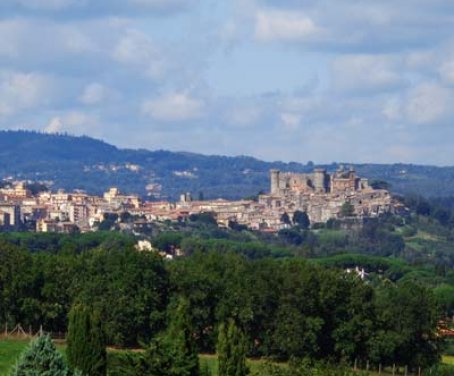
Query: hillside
81 162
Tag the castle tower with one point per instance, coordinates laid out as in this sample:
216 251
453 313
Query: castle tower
320 180
275 176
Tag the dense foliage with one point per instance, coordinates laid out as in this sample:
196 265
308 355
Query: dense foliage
286 306
175 352
128 289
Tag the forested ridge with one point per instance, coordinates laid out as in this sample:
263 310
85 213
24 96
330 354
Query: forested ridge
84 163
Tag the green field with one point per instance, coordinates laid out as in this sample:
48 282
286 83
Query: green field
10 350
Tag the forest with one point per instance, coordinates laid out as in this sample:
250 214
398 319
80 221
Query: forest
287 294
287 307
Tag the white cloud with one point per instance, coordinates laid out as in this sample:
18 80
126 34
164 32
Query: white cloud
94 93
244 116
364 73
379 66
75 122
428 103
55 125
138 50
290 121
35 42
447 71
19 91
392 109
174 107
279 25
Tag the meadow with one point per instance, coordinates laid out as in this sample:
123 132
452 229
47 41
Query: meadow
10 350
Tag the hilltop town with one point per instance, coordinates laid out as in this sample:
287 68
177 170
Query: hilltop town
322 196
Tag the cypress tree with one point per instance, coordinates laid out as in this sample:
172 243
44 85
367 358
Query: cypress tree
181 336
175 352
231 349
41 358
86 348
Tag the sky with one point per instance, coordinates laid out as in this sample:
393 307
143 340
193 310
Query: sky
292 80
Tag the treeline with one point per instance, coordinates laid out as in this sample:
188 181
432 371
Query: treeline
62 158
67 243
438 208
285 308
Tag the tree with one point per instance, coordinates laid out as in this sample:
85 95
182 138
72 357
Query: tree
301 219
15 283
86 345
207 218
36 188
408 313
347 209
109 221
174 353
380 184
445 298
231 349
285 219
41 358
129 289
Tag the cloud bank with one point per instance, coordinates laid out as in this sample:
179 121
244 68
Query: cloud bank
294 80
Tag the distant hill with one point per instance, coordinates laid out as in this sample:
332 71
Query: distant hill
84 163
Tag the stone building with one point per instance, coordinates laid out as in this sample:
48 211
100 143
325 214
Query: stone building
321 195
10 214
319 181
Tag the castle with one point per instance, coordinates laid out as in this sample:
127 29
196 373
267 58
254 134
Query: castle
322 195
340 182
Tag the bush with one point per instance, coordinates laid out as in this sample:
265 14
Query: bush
41 358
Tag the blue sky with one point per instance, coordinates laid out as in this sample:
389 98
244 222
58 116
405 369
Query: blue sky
350 80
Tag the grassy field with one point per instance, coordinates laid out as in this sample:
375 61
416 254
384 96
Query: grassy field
10 350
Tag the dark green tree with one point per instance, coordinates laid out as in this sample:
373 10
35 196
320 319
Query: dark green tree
174 353
41 358
129 289
445 298
231 349
347 209
379 184
86 349
15 282
301 219
408 314
285 219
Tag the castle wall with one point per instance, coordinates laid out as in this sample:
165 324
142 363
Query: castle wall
321 195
